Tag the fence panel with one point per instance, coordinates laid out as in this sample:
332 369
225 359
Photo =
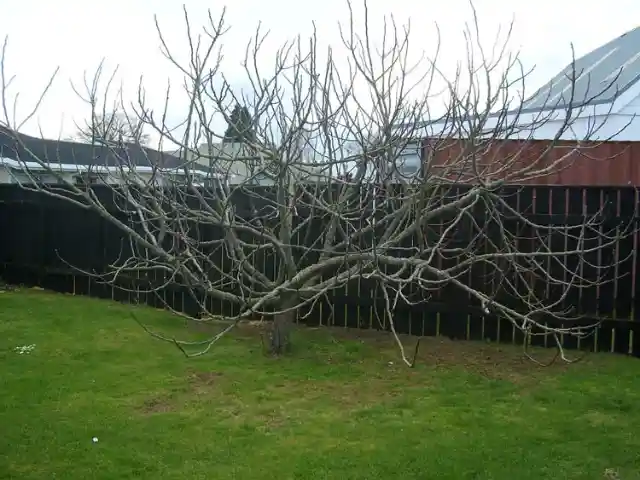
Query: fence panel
43 239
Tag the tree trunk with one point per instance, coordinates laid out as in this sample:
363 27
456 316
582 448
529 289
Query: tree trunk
280 334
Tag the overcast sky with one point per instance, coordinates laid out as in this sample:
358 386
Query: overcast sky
75 35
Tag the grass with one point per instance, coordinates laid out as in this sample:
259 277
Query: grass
342 407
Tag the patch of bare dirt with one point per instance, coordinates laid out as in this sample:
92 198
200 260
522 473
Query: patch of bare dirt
492 360
203 382
273 421
157 405
198 383
204 378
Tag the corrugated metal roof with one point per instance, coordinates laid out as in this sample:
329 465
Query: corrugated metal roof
601 76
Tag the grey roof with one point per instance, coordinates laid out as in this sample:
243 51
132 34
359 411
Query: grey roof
58 151
601 76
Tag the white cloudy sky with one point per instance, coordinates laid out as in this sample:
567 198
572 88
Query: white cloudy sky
76 34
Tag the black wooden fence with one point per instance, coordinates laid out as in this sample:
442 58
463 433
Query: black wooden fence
41 237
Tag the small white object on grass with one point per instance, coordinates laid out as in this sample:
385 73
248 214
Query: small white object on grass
25 349
95 439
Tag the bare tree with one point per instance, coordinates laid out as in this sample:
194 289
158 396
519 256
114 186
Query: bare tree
352 212
113 127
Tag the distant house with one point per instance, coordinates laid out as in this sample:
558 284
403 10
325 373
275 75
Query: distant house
232 161
63 161
602 98
238 164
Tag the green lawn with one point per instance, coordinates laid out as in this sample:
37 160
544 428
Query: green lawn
341 407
